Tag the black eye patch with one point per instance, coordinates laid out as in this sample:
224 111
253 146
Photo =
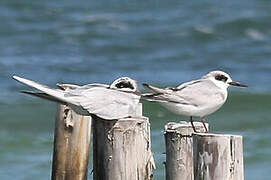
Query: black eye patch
124 85
221 77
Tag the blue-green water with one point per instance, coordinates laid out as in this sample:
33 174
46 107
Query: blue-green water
160 42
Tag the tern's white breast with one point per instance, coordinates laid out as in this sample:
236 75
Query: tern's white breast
198 110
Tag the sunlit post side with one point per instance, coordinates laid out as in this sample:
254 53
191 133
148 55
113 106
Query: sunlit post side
218 156
179 150
71 145
122 148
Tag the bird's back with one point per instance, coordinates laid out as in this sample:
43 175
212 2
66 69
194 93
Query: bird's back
203 96
104 102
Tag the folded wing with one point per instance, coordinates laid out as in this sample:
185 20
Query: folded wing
96 99
195 93
106 103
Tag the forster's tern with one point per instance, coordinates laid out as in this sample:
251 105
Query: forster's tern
119 100
195 98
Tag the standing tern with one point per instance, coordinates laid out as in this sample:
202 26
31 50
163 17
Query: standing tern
115 101
195 98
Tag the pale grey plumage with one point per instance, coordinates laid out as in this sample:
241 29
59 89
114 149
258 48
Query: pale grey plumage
99 99
195 98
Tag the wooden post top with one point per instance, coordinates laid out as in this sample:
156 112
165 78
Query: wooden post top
213 135
184 127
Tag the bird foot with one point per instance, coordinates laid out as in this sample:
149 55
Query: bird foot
194 128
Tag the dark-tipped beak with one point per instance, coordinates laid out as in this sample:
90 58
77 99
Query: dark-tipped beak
233 83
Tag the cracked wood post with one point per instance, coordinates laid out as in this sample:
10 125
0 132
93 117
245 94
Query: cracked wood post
71 145
122 149
179 149
218 156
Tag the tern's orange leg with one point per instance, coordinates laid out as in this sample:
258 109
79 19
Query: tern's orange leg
203 122
191 120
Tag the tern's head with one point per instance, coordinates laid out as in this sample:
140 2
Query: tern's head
222 79
125 84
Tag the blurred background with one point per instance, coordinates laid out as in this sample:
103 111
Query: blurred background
160 42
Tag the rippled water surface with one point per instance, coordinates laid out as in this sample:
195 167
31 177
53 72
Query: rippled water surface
160 42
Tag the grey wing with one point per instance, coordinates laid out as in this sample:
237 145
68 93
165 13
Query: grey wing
193 93
163 95
57 94
87 86
107 103
184 85
158 94
94 85
67 86
84 89
199 92
169 96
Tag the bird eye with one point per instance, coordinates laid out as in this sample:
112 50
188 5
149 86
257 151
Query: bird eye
221 77
124 85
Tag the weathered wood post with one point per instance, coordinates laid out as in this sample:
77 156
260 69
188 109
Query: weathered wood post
179 150
71 145
122 149
218 156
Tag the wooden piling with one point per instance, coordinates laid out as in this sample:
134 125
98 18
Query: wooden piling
71 145
179 149
218 156
122 149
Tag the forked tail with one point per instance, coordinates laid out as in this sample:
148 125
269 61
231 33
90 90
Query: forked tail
48 93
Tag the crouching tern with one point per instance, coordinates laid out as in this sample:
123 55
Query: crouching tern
195 98
115 101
